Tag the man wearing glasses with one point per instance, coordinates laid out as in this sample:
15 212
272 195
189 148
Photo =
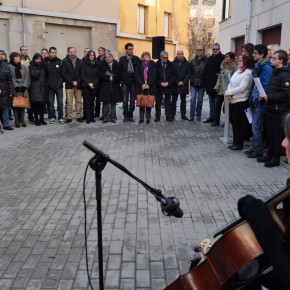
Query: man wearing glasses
197 83
212 70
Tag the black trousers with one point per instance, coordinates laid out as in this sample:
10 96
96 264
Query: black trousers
275 135
218 108
89 96
239 121
38 110
257 214
167 106
182 105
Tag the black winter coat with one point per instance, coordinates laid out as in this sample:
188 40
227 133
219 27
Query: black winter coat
71 73
197 72
212 69
6 85
110 90
38 88
151 78
278 92
90 73
127 77
53 69
183 73
171 78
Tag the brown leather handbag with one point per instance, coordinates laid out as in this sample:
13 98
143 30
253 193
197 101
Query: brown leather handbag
20 102
145 101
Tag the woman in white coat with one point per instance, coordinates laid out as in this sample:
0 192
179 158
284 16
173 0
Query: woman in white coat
237 93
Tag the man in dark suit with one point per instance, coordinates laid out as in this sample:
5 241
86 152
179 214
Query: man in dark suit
212 69
166 84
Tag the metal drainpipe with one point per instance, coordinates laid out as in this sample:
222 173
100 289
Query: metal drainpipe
248 21
23 26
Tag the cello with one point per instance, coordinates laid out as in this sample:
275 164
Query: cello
223 260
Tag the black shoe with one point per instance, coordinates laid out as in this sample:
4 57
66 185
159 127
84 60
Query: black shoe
84 118
93 120
23 124
208 120
37 123
249 151
131 119
31 120
232 145
183 117
101 118
17 125
105 120
126 119
191 119
8 128
68 121
88 121
113 120
275 161
157 120
214 124
141 121
169 119
236 147
264 159
80 120
42 122
254 155
147 121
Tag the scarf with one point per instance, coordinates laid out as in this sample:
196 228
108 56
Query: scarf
145 65
130 64
18 74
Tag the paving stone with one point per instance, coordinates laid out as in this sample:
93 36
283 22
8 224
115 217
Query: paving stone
42 211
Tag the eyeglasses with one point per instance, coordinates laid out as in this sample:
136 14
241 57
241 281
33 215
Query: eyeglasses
274 58
199 50
255 52
215 49
165 57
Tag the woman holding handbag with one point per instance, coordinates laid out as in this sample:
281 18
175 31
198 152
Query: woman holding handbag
21 80
38 90
145 75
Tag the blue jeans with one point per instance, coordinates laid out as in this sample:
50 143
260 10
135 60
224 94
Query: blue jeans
196 101
5 116
257 128
211 100
128 109
59 100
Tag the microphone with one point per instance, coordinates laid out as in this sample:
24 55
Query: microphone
171 207
96 150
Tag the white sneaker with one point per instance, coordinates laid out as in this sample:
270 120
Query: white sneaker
52 121
61 121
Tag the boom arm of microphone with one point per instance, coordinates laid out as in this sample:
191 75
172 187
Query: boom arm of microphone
169 205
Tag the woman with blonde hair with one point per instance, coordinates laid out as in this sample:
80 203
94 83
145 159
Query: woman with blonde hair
145 75
272 48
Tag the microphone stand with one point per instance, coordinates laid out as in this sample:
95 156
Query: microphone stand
98 163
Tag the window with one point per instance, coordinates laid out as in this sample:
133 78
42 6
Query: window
167 24
141 18
227 9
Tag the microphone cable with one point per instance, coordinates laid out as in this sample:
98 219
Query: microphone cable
86 238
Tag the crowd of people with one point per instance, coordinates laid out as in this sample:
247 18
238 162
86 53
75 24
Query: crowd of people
96 83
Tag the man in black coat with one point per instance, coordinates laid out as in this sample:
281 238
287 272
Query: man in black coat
110 91
278 104
71 72
53 69
183 72
128 64
212 70
166 84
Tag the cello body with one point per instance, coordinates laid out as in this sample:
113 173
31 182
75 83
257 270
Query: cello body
236 247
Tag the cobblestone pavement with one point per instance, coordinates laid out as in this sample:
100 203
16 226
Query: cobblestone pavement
42 210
